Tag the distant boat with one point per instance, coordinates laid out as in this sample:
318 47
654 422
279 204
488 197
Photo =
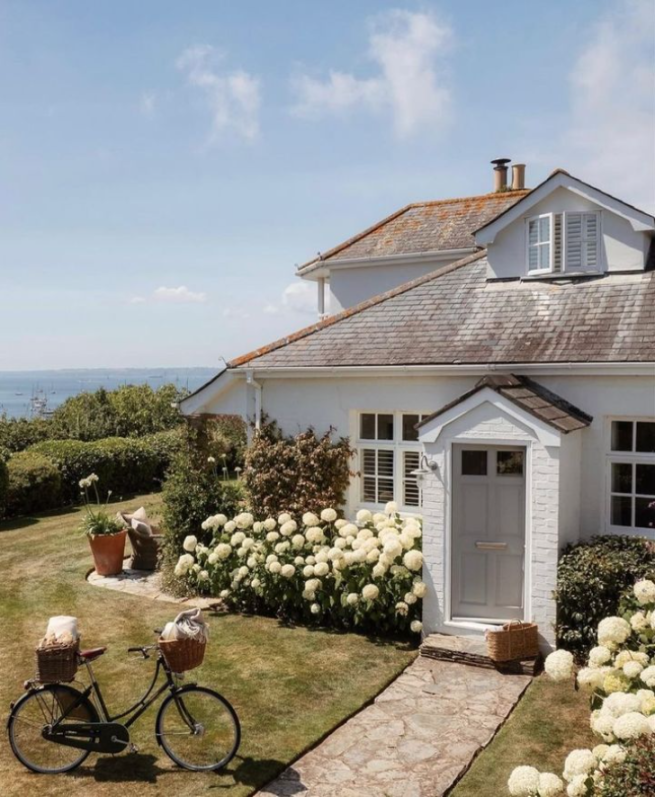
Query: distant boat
19 394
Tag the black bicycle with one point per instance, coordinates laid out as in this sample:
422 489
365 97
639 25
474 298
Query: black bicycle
53 728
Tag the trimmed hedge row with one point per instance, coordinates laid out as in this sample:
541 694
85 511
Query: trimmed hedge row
34 484
47 474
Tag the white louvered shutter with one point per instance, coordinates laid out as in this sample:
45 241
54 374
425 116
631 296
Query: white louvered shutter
582 241
558 254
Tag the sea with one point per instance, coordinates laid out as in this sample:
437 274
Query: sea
29 393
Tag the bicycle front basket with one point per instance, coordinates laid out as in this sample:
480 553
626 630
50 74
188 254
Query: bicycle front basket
183 654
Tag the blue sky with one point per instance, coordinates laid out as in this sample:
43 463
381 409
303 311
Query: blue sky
164 165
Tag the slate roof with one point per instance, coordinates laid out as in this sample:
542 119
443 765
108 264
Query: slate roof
422 227
454 316
529 396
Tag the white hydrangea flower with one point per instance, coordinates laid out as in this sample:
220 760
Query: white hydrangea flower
391 508
299 561
288 528
338 524
393 548
329 515
288 571
379 570
313 585
599 655
591 678
615 754
224 593
309 519
212 558
416 626
230 526
275 567
244 520
602 725
223 550
269 524
370 592
315 608
272 536
308 571
402 608
190 543
315 535
613 630
285 517
364 516
352 599
419 588
321 568
644 591
632 669
184 564
410 598
639 622
413 560
255 583
203 575
630 655
372 556
631 726
577 787
523 782
578 762
550 785
298 541
620 703
648 676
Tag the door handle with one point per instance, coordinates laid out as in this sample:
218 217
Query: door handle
491 546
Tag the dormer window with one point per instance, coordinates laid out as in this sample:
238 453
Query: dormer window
563 242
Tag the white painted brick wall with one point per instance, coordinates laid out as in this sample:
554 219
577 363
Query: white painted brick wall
542 513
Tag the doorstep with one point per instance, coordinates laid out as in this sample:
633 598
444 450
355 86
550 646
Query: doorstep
472 650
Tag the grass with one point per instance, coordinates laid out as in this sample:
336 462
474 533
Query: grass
290 686
550 721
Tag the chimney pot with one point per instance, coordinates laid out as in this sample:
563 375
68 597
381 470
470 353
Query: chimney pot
518 176
500 173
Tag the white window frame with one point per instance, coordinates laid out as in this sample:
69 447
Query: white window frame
584 267
632 458
398 446
539 244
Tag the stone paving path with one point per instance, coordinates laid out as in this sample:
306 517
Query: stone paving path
146 584
415 740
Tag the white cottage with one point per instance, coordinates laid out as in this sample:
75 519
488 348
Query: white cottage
492 360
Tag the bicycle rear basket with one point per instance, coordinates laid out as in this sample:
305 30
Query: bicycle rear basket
183 654
56 663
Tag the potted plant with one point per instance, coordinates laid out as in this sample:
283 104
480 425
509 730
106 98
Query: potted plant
106 534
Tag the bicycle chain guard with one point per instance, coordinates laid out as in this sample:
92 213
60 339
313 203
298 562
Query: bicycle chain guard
98 737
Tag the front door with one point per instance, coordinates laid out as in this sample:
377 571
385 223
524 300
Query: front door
488 532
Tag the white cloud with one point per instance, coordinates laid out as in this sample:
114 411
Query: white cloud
136 300
610 136
407 48
233 97
298 298
148 103
181 295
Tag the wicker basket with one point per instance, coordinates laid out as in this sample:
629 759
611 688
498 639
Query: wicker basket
183 654
514 641
56 663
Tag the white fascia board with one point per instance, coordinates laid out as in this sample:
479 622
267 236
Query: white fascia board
410 259
196 402
640 222
540 369
546 434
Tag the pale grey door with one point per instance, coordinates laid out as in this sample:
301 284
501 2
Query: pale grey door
488 533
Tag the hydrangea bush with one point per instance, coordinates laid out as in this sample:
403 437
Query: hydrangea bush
620 678
363 574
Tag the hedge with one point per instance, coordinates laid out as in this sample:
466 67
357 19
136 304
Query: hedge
4 481
34 484
124 465
591 579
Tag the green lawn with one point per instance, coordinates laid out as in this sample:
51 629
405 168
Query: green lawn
290 686
550 721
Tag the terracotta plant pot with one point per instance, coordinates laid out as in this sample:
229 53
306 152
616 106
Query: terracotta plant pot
108 550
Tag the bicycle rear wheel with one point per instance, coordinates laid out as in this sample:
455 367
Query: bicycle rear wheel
34 711
198 729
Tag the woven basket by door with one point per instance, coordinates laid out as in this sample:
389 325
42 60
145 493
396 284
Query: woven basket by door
514 641
183 654
56 663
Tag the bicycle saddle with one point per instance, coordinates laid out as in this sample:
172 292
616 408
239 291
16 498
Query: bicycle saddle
92 653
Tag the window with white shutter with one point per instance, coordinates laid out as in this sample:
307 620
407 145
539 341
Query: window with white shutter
563 242
389 452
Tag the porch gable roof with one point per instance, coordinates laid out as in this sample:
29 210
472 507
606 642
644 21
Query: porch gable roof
530 397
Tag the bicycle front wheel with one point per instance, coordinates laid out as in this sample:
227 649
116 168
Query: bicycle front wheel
198 729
